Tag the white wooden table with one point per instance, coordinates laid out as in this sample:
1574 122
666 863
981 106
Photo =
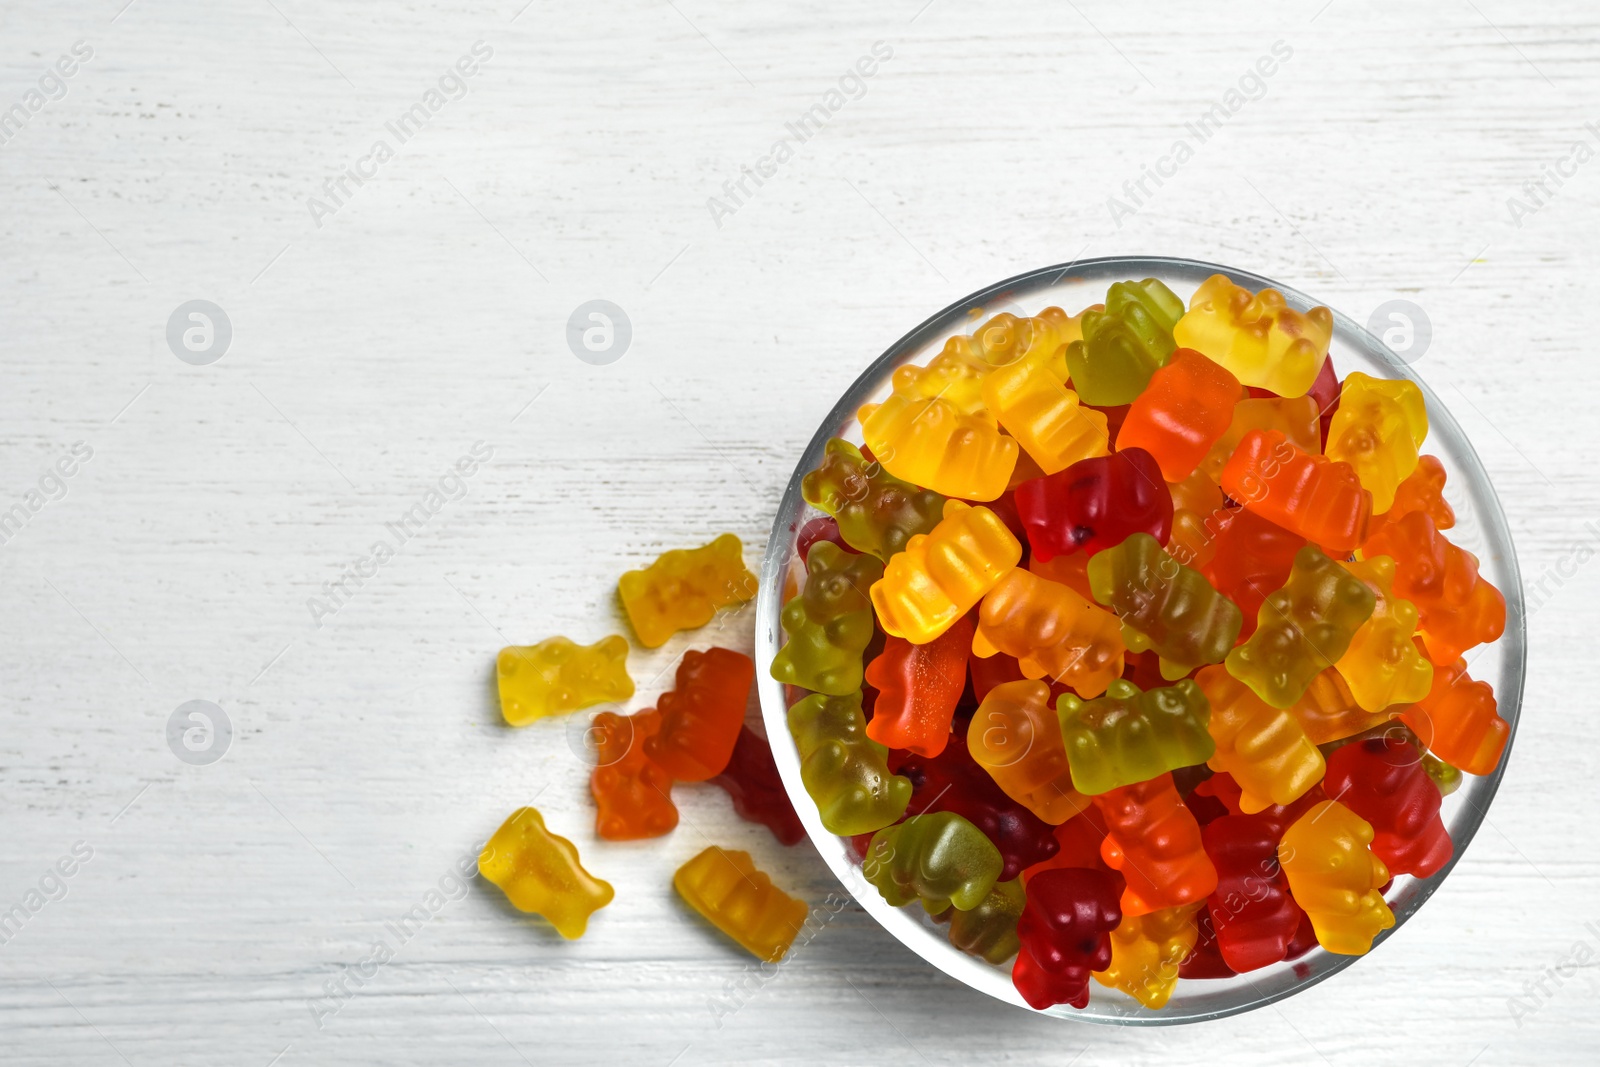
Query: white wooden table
381 332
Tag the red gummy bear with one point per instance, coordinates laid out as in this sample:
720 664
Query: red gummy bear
1382 780
1252 911
918 689
751 780
1065 930
1095 504
825 528
702 716
1252 561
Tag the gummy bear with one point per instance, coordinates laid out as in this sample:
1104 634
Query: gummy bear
1164 606
1422 491
1456 607
1377 430
822 528
988 931
1318 498
1459 721
918 689
1252 911
1153 839
1017 738
539 872
751 781
1186 407
1194 532
1263 748
558 675
683 589
957 373
633 797
953 781
931 443
1125 344
1302 628
1032 402
1295 418
1382 665
1128 736
1253 557
1146 951
1335 877
829 624
876 512
842 769
942 575
1257 336
1382 780
1328 711
1064 934
1094 504
702 715
1052 631
724 886
939 858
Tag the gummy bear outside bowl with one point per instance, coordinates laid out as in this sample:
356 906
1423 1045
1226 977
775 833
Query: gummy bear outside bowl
1480 528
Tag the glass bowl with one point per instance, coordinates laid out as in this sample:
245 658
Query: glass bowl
1481 529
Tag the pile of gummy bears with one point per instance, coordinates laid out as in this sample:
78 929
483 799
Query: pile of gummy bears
1147 620
1127 644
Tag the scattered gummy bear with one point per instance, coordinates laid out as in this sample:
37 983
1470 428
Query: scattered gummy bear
539 872
741 901
684 588
558 675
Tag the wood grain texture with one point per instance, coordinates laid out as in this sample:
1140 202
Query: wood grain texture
372 351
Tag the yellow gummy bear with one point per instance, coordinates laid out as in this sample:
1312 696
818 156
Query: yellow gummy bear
958 371
1256 336
1264 748
557 675
741 901
941 575
1334 876
1146 951
1378 430
683 589
1032 401
539 872
931 443
1382 666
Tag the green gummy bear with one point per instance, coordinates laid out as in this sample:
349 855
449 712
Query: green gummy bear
1128 736
989 931
876 512
829 623
939 858
843 770
1303 628
1125 344
1164 605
